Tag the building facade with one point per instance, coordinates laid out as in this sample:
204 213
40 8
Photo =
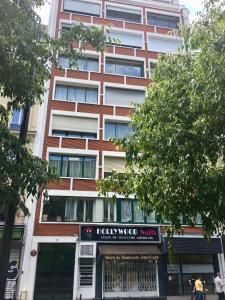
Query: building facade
19 227
79 245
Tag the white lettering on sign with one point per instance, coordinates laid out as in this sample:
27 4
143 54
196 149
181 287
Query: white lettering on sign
119 231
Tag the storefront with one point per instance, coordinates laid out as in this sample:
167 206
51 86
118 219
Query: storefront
128 260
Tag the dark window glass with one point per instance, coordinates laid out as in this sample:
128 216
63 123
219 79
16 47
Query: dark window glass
196 259
174 285
74 166
163 21
116 130
75 93
85 135
125 67
88 64
123 16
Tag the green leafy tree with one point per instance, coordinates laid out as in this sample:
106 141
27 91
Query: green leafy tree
178 143
27 54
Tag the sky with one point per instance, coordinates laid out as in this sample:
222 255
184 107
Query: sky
192 5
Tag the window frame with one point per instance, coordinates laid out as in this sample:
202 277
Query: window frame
161 15
125 62
88 58
82 13
68 134
66 157
123 7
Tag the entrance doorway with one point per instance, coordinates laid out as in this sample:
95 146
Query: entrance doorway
130 278
55 272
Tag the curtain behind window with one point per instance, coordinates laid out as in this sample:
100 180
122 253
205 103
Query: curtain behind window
126 211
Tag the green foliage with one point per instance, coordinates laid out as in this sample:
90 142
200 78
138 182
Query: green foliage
178 142
27 54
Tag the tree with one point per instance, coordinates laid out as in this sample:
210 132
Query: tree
26 53
178 142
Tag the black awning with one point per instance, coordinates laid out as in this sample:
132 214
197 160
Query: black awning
196 245
111 249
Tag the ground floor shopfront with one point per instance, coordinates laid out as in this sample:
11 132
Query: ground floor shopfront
108 262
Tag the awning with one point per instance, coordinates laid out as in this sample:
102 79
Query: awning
195 245
129 250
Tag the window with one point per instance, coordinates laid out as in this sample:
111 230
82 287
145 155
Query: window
76 93
17 117
117 130
109 206
71 134
89 64
185 268
68 209
163 45
124 67
82 7
163 21
74 126
78 209
74 166
126 39
123 97
130 213
113 164
86 271
151 69
123 14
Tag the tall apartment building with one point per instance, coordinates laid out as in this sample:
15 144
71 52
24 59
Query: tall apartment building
80 245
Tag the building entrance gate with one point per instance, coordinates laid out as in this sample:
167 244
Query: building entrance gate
130 278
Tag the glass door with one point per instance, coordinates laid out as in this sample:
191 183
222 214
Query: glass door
55 272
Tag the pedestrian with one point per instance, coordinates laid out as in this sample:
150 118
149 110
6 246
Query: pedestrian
198 289
192 284
219 287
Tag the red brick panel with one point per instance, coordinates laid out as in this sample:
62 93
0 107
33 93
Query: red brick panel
137 81
124 51
56 229
64 15
81 18
77 74
107 22
163 30
73 143
84 185
101 145
63 184
63 105
88 108
123 111
107 78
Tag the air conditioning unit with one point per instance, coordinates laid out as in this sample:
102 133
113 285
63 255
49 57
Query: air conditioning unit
23 295
87 250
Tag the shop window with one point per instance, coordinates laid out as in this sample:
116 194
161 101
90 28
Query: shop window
76 93
124 67
89 64
117 130
86 271
129 212
187 267
74 166
163 21
123 14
